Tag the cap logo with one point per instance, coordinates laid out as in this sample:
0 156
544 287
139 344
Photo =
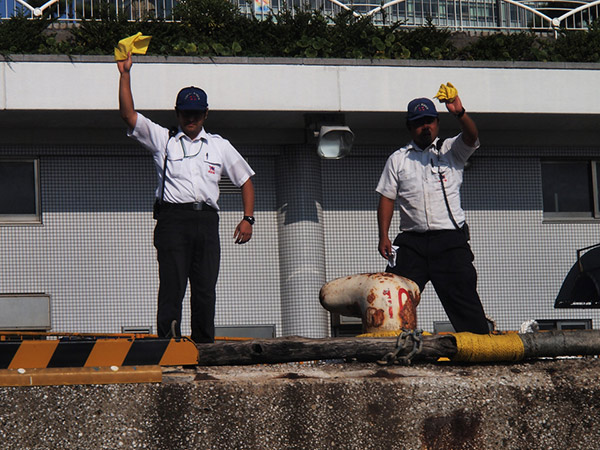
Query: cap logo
192 96
421 107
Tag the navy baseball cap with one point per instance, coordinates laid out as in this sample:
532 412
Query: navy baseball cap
191 99
419 108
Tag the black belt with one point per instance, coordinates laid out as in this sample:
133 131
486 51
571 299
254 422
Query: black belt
196 206
430 232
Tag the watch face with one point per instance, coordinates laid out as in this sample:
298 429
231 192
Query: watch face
249 219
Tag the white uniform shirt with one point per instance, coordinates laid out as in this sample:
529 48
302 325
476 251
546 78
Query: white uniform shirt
411 174
194 167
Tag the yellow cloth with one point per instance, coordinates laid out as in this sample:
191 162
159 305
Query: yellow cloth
488 347
132 44
447 93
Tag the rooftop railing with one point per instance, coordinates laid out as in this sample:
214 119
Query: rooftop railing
455 15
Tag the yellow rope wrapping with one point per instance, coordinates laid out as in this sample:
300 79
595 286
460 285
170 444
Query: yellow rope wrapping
488 347
392 333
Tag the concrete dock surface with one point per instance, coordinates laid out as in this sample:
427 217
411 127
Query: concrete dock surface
542 404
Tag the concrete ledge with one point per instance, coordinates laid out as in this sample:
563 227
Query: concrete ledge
80 375
154 59
538 405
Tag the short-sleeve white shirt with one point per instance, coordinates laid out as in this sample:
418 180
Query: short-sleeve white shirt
194 167
411 175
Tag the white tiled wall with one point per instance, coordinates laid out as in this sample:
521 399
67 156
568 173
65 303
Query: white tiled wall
94 253
521 261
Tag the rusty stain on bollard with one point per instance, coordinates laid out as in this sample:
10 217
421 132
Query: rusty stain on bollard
384 301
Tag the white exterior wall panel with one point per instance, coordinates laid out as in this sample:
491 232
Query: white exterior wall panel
300 85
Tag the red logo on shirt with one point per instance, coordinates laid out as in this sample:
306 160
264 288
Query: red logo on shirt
211 169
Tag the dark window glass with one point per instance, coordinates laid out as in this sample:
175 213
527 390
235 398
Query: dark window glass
567 187
18 187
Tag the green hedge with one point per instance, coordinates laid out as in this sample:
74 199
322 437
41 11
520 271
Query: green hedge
218 28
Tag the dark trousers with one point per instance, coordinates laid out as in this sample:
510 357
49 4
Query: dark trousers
444 258
188 247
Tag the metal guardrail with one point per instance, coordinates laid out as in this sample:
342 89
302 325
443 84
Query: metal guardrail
455 15
72 11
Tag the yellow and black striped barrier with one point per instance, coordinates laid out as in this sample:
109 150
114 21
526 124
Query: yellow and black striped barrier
41 351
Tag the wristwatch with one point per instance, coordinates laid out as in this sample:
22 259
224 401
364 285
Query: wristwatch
460 114
250 219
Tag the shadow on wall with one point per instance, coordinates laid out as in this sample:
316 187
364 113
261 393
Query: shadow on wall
295 187
490 184
127 184
298 185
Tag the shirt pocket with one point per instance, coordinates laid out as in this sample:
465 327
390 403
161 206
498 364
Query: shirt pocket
407 174
444 177
444 165
408 181
176 169
175 153
441 168
212 168
439 164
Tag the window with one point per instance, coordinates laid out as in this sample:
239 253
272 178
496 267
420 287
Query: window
570 189
565 324
20 187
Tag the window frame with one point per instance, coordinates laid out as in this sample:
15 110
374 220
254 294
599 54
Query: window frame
26 219
575 217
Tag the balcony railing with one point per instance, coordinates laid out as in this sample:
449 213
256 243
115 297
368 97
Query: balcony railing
77 10
456 15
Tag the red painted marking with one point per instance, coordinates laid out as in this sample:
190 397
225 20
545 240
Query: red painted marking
386 293
400 292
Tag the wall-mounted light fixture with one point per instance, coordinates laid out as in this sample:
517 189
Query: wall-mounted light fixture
328 131
334 141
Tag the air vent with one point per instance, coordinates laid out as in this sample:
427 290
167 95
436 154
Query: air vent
227 187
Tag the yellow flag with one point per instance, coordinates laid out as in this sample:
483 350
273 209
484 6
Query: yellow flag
132 44
447 93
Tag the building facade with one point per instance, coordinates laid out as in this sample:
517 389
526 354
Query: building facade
87 243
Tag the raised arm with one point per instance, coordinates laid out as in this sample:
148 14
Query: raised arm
467 125
385 212
126 108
